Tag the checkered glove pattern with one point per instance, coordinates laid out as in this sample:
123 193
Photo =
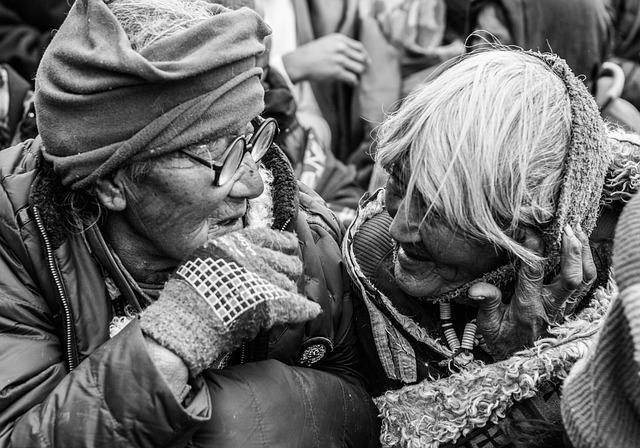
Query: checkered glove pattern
225 293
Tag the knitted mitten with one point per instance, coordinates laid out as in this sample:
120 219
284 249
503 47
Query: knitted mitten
225 292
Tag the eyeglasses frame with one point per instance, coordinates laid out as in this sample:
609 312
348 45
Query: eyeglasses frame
217 167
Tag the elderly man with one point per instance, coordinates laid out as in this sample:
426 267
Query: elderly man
478 247
145 299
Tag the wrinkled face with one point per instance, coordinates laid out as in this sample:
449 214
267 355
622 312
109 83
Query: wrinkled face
432 259
176 208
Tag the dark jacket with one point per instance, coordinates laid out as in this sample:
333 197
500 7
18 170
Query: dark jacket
26 28
578 31
17 121
65 383
625 15
313 164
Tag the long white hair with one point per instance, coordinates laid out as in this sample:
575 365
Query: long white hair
485 143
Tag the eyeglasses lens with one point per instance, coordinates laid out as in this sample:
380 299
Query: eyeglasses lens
232 161
263 139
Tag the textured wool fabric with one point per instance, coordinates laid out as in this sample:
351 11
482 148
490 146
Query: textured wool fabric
436 413
100 104
601 396
588 158
244 282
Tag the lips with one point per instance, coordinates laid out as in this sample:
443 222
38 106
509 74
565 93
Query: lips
411 252
409 257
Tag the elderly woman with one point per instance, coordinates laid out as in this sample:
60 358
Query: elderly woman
478 245
145 299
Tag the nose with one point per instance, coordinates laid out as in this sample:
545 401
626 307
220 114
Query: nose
405 227
247 182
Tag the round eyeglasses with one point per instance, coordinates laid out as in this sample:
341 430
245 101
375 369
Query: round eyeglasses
258 145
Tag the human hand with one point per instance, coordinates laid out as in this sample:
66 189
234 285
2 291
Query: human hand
507 328
227 291
334 57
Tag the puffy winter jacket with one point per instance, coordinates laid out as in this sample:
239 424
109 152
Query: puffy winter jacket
65 383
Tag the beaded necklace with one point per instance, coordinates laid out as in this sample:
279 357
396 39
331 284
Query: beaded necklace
462 351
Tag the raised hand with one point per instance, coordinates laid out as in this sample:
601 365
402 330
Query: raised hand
334 57
507 328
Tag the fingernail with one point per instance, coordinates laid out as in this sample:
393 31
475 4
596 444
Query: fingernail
569 231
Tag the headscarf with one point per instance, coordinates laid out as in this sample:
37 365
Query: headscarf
101 105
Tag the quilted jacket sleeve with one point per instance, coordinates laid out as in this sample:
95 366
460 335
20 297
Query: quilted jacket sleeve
114 398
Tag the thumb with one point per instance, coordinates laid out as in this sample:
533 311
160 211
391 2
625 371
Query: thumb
291 308
489 301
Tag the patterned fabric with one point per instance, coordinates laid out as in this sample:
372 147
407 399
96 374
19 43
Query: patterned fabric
228 289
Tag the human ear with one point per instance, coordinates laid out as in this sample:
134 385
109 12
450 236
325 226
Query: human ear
110 191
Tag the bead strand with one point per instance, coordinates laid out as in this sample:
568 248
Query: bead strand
445 311
469 335
451 336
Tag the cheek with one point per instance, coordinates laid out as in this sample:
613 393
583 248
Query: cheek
471 259
173 206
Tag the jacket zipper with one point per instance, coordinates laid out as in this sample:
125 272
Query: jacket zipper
243 349
69 336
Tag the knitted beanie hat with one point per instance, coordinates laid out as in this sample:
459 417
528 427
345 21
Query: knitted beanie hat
101 104
601 396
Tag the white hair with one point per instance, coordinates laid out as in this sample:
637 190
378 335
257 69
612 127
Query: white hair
485 142
146 21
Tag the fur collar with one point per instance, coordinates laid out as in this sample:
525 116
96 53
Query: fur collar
437 412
